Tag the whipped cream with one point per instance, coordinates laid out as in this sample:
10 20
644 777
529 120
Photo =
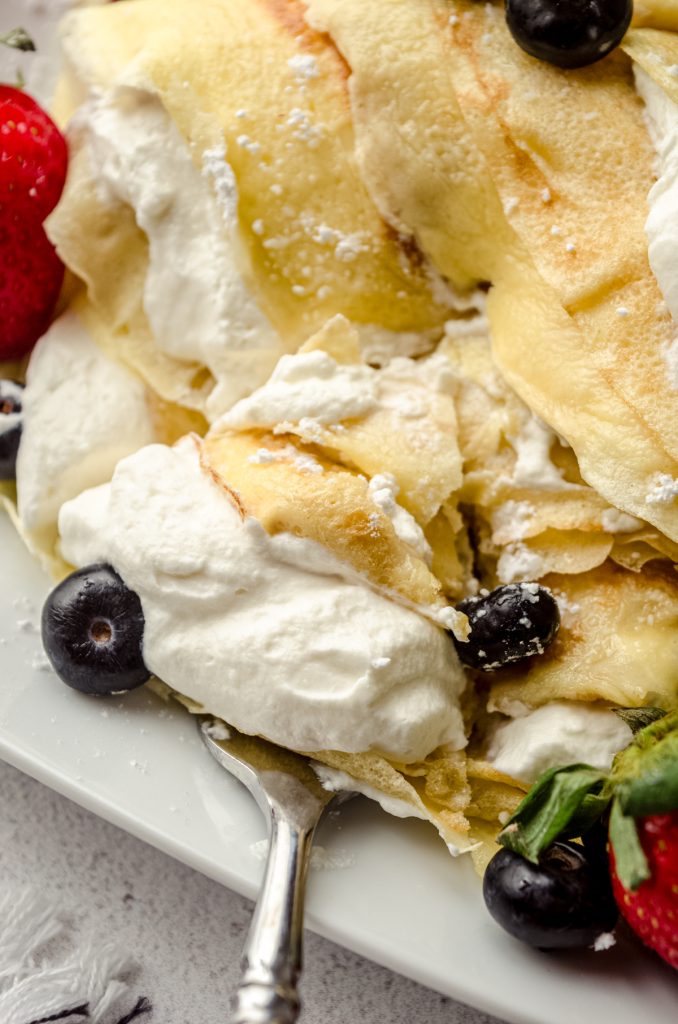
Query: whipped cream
662 222
308 385
198 304
614 521
336 781
556 734
82 413
534 467
271 633
383 491
661 226
518 562
313 388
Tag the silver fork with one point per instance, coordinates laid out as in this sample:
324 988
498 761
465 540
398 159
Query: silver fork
292 799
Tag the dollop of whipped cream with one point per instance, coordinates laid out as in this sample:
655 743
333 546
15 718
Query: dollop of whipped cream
82 413
661 226
336 781
307 386
534 467
198 303
272 633
310 388
383 491
560 733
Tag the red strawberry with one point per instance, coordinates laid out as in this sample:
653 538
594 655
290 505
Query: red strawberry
640 794
652 910
33 163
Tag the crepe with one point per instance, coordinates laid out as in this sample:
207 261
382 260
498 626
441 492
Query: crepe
406 426
331 506
532 512
498 176
260 102
618 643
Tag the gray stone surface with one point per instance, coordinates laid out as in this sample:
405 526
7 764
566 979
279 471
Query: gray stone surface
185 930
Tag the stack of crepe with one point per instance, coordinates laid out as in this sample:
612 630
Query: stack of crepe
398 186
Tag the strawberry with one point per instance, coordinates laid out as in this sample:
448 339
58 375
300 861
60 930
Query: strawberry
33 163
638 798
652 910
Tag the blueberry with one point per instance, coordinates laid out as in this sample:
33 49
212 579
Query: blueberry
11 395
568 33
564 902
512 622
93 630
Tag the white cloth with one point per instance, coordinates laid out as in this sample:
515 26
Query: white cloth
48 972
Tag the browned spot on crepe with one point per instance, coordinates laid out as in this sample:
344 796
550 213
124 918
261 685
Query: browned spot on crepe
291 15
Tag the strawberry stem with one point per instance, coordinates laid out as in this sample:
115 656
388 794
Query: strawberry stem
18 39
638 718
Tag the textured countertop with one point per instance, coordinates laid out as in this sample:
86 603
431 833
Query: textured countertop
184 930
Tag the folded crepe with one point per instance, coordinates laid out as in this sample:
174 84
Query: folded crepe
506 169
253 119
367 155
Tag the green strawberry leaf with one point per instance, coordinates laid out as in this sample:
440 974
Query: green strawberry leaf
630 861
18 39
590 810
646 773
560 800
639 718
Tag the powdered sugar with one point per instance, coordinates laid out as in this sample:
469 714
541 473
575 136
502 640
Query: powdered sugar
304 67
304 128
216 167
518 562
511 521
383 491
663 490
534 467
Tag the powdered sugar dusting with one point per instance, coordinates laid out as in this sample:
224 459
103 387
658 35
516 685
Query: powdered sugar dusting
511 521
304 67
663 491
518 562
568 609
383 491
216 167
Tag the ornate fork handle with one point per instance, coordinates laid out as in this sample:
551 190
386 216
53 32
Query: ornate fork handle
271 962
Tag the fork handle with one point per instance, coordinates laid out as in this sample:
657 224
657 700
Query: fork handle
271 963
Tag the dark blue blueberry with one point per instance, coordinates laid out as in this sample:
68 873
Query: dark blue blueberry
568 33
513 622
11 396
564 902
93 631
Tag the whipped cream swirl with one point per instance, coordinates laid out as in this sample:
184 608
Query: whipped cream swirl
272 633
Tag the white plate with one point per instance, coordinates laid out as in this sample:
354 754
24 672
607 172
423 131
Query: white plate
404 902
